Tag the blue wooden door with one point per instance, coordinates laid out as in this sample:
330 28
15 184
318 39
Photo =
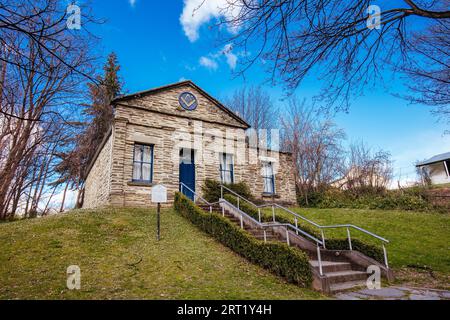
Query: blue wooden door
187 172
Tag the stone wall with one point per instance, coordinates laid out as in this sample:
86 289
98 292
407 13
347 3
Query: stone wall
284 178
98 181
157 120
139 126
166 103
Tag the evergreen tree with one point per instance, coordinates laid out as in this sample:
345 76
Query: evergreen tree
75 163
111 79
101 96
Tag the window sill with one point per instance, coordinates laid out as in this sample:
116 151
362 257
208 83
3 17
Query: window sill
140 184
270 195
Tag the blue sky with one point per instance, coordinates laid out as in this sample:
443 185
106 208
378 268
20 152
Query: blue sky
154 49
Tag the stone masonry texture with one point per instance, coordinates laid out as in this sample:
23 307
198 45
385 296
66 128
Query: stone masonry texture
157 119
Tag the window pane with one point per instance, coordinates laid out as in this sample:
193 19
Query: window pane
267 172
146 171
137 152
269 169
142 162
268 186
147 154
136 171
227 175
229 159
226 167
186 156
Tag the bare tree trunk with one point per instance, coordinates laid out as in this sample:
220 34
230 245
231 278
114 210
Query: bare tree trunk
61 209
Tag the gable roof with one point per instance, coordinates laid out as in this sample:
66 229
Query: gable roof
437 158
141 94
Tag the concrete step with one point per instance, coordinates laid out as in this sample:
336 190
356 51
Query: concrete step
268 238
259 232
346 276
335 265
342 286
214 208
328 255
331 266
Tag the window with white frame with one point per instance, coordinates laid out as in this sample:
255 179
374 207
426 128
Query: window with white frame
143 163
226 168
268 177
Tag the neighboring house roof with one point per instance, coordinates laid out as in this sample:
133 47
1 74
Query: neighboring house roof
178 84
437 158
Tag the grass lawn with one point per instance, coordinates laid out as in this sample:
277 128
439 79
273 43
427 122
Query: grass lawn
416 239
120 258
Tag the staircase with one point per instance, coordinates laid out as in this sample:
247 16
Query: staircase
338 272
332 270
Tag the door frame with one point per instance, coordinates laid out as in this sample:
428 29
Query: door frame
192 157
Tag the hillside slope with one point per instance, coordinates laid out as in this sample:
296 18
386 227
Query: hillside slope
120 258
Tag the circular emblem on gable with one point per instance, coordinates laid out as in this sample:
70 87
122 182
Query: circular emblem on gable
188 101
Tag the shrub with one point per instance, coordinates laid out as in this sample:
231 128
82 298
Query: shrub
279 258
364 199
211 190
244 206
331 243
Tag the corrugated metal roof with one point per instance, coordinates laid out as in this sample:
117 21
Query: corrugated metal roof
436 158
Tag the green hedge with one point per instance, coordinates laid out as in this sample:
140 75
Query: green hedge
374 252
279 258
386 200
211 190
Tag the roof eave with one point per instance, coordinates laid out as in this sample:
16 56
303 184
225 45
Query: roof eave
429 163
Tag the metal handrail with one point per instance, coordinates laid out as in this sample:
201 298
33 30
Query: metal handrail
332 226
306 219
236 194
321 227
210 204
271 225
261 224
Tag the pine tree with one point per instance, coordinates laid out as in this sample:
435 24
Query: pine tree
111 78
101 96
75 163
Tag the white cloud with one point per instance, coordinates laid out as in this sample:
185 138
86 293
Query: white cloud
198 12
230 56
188 67
132 3
208 63
211 61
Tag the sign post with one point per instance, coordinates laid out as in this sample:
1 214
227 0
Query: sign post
158 222
159 195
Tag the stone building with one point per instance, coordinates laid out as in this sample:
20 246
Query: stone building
179 133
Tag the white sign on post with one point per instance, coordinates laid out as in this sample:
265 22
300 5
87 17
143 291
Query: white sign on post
159 194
